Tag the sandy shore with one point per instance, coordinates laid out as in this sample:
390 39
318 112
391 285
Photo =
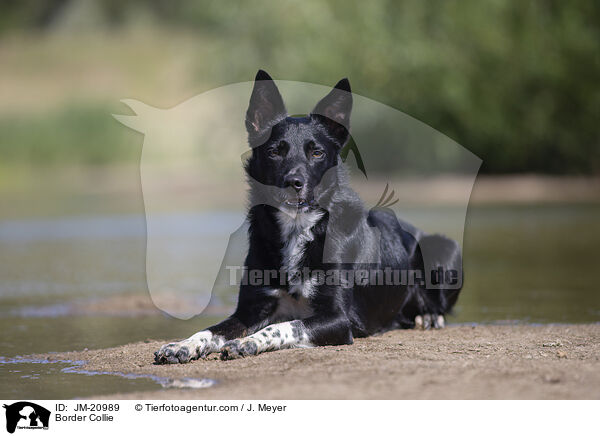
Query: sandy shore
501 362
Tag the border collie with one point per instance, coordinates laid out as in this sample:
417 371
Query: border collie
321 269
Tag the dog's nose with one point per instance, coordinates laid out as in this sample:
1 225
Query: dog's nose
295 181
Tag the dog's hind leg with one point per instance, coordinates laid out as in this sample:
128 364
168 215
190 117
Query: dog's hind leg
428 303
416 314
442 265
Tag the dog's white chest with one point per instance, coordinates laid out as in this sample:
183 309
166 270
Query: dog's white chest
296 233
290 307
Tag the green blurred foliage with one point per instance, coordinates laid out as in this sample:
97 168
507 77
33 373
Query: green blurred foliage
76 134
514 81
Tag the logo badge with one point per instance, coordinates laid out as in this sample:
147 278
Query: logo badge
26 415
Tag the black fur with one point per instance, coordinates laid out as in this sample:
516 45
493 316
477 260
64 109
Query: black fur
299 159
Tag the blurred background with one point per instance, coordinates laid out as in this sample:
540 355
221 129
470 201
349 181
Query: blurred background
514 82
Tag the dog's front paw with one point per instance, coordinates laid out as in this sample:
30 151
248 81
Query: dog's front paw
199 345
177 352
239 348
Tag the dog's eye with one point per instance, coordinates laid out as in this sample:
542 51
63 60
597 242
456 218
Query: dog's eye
273 152
318 154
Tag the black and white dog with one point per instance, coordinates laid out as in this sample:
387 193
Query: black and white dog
305 218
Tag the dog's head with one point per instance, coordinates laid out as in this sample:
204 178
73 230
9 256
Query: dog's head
292 154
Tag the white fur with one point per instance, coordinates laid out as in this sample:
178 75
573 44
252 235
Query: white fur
290 308
426 321
280 336
296 232
203 343
307 289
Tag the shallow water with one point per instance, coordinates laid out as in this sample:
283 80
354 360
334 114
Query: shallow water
531 263
62 380
58 379
535 264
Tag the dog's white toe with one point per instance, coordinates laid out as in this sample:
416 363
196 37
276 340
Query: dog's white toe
428 321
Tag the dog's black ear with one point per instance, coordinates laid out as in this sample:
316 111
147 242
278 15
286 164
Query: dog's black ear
266 109
334 110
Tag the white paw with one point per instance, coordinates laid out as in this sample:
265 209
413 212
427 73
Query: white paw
176 352
239 348
200 345
427 321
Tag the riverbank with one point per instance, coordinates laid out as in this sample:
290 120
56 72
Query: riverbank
459 362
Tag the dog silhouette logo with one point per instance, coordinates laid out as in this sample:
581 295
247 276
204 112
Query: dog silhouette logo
26 415
190 165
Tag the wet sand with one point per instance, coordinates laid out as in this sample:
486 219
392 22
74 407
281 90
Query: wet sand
459 362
